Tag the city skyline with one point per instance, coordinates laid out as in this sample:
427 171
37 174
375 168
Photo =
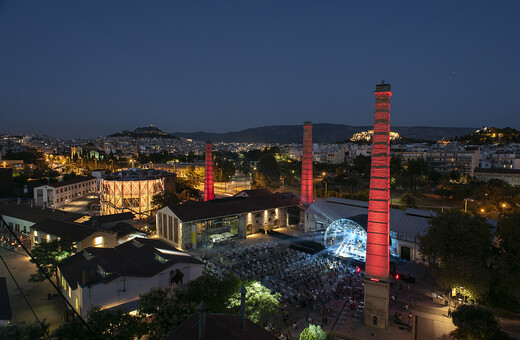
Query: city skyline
92 69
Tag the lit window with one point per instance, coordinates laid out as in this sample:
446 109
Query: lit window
98 241
48 237
35 233
70 293
77 303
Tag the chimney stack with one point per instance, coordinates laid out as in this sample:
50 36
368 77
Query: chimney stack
307 195
243 308
202 321
209 194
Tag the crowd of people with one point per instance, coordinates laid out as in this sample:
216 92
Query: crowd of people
306 282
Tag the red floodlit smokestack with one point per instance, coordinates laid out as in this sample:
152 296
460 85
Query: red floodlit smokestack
377 253
209 194
307 185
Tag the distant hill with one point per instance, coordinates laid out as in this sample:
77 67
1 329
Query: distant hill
492 135
144 132
322 133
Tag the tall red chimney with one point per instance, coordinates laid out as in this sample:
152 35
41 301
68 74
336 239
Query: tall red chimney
377 253
208 174
307 186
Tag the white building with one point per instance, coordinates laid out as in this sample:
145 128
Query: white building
112 277
56 195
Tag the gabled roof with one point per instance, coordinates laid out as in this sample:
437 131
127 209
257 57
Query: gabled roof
135 258
63 229
35 213
219 326
255 201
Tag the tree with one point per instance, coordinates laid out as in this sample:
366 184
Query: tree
458 246
475 323
506 262
224 169
267 172
105 324
164 199
24 331
362 165
409 200
260 302
215 292
48 256
196 173
167 310
314 332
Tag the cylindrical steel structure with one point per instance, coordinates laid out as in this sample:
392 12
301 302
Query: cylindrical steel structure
377 255
209 193
307 185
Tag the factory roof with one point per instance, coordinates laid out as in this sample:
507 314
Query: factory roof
243 202
411 222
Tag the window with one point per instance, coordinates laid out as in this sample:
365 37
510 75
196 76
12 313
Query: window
77 304
17 227
164 225
70 293
159 224
170 228
176 230
98 241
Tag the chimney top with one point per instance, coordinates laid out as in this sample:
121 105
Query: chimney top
307 123
383 87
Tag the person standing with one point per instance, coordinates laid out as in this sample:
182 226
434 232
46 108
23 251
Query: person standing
449 312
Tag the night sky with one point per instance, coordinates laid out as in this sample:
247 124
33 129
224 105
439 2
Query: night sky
90 68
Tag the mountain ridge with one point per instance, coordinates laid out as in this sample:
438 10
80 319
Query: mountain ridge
322 133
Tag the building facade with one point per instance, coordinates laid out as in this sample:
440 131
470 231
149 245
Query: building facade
56 195
198 224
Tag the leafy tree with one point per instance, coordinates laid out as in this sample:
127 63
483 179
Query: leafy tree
475 323
260 302
458 246
506 261
167 310
409 200
49 255
223 169
417 168
24 331
105 324
314 332
214 291
362 165
164 199
196 173
267 172
115 324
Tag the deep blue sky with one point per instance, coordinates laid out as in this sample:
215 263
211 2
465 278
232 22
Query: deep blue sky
89 68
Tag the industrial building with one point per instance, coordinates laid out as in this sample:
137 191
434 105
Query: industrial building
405 225
196 224
56 195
